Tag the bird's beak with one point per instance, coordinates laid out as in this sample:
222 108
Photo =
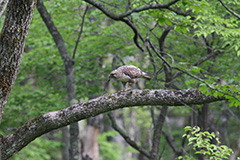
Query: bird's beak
111 76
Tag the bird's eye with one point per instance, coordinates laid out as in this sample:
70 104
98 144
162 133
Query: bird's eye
113 75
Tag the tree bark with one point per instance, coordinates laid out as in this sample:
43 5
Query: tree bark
65 141
158 133
12 40
79 111
90 149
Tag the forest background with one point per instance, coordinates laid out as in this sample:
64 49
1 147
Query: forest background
72 46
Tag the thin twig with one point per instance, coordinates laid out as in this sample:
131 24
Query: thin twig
207 84
171 139
170 143
150 52
136 33
231 11
181 12
191 75
80 32
159 55
126 137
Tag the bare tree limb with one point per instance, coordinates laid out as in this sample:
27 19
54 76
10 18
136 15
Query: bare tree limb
123 17
179 12
136 33
69 72
117 17
150 52
157 133
199 62
54 32
170 134
161 117
161 40
228 9
170 142
126 137
80 32
57 119
159 55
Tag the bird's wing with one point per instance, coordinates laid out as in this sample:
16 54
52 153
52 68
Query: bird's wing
132 71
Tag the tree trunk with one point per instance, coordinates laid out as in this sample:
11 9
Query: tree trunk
65 141
74 141
12 40
89 148
89 141
69 71
157 133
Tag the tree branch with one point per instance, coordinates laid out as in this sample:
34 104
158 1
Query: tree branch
157 133
118 17
54 32
126 137
199 62
228 9
136 33
69 71
80 32
123 16
170 142
57 119
57 37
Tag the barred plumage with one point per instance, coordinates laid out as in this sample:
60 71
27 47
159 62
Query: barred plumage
127 74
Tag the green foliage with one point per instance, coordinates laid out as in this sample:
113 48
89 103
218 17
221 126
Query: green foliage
40 149
29 101
206 144
230 92
108 149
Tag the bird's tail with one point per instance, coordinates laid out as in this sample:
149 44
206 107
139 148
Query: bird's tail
145 75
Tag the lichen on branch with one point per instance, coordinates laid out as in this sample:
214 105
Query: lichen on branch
108 102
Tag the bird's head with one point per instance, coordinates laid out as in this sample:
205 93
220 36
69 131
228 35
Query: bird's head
113 74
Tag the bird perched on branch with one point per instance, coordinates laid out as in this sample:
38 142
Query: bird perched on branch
127 74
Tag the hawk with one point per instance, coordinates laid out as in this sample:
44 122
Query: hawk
127 74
